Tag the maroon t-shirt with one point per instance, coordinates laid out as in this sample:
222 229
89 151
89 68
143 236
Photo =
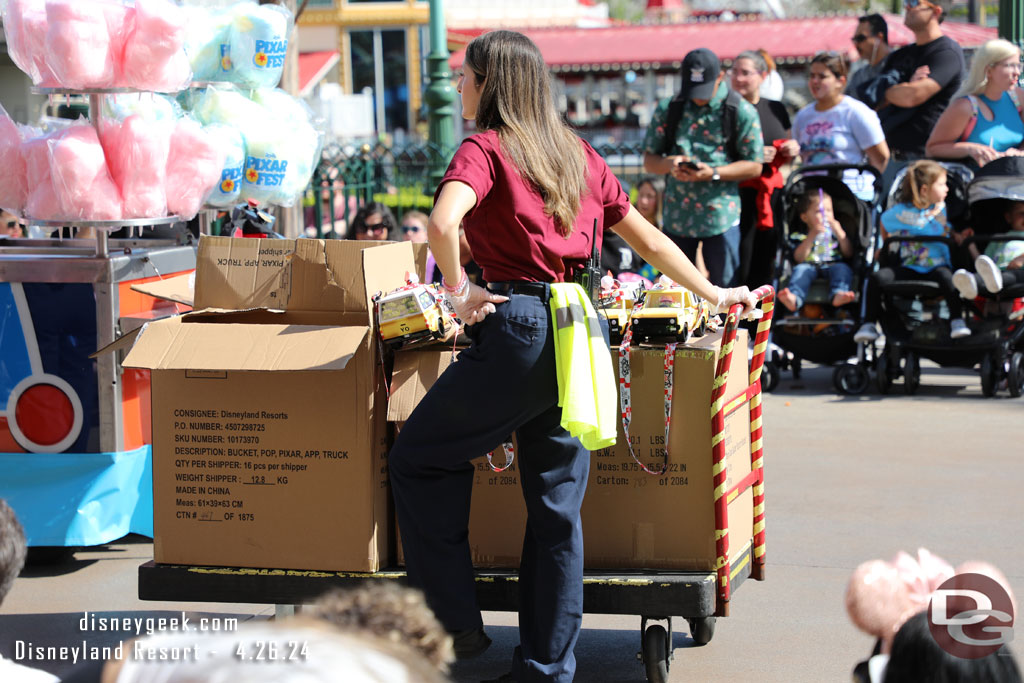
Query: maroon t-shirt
511 237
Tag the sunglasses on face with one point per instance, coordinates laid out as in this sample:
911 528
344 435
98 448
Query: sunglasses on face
373 227
915 3
410 228
12 224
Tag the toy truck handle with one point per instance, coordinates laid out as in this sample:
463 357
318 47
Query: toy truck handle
720 409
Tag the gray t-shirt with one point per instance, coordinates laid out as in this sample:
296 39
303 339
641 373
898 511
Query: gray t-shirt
861 76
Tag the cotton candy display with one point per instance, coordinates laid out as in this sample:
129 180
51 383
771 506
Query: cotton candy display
228 106
137 151
154 58
81 179
42 202
13 188
258 43
78 39
229 187
194 168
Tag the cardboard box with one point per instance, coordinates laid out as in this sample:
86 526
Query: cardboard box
497 511
631 519
269 441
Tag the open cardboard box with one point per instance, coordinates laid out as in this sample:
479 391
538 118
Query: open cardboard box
269 441
631 519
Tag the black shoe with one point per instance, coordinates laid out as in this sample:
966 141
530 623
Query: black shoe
505 678
470 643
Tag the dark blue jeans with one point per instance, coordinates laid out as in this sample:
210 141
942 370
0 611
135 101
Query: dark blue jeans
721 254
505 382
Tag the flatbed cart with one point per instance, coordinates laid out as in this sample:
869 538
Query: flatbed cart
656 596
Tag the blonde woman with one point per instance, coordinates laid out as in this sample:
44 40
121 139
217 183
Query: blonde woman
528 192
984 120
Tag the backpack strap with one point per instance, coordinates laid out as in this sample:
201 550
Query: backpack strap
672 117
730 123
973 121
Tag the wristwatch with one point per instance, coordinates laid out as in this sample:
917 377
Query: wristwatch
715 177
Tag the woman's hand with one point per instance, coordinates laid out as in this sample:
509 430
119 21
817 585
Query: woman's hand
769 153
727 298
982 154
473 303
1016 263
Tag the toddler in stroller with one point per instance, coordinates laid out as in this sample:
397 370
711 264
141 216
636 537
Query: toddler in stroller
820 253
921 213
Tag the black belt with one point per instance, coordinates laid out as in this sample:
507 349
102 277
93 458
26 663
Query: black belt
538 289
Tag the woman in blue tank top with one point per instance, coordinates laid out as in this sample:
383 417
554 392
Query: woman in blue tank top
984 120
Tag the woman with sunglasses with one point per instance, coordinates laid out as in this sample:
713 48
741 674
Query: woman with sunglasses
984 120
836 129
372 222
529 194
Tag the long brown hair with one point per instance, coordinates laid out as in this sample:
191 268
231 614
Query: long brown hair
517 103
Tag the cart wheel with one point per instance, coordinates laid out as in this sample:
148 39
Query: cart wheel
702 629
882 373
656 653
911 374
770 375
851 380
988 375
684 333
1015 376
797 367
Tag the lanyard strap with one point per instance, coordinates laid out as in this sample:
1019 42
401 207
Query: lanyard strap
625 404
510 455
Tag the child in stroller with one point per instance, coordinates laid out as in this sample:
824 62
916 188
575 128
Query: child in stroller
920 213
820 253
1002 264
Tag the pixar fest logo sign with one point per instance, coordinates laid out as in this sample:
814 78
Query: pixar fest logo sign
270 54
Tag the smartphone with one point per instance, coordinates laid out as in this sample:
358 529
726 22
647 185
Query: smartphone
688 165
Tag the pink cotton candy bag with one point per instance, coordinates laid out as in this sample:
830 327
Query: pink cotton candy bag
13 186
154 54
42 202
193 168
81 177
136 151
79 47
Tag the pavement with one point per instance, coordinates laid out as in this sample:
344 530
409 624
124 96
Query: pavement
847 479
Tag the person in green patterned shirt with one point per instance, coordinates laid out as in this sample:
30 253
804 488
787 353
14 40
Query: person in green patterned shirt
704 163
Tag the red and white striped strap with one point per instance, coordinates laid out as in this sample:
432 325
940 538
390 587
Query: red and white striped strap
510 455
625 404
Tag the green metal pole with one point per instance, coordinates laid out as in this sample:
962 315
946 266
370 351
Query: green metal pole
1011 21
439 96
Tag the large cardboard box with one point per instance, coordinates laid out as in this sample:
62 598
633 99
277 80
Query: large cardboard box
631 519
269 441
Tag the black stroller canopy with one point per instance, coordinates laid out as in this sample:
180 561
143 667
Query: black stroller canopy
995 185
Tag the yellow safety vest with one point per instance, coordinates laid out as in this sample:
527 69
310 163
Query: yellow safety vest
586 380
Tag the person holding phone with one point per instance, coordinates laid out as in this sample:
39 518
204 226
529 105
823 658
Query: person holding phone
706 140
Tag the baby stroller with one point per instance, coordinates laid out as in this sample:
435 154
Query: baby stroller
998 317
818 332
915 315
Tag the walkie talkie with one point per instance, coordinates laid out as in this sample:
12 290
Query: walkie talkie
589 278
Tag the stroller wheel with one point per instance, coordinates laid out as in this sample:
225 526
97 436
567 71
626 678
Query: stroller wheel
989 378
851 380
911 374
1016 374
770 375
883 370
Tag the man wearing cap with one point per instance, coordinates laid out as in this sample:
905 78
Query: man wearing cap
706 139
